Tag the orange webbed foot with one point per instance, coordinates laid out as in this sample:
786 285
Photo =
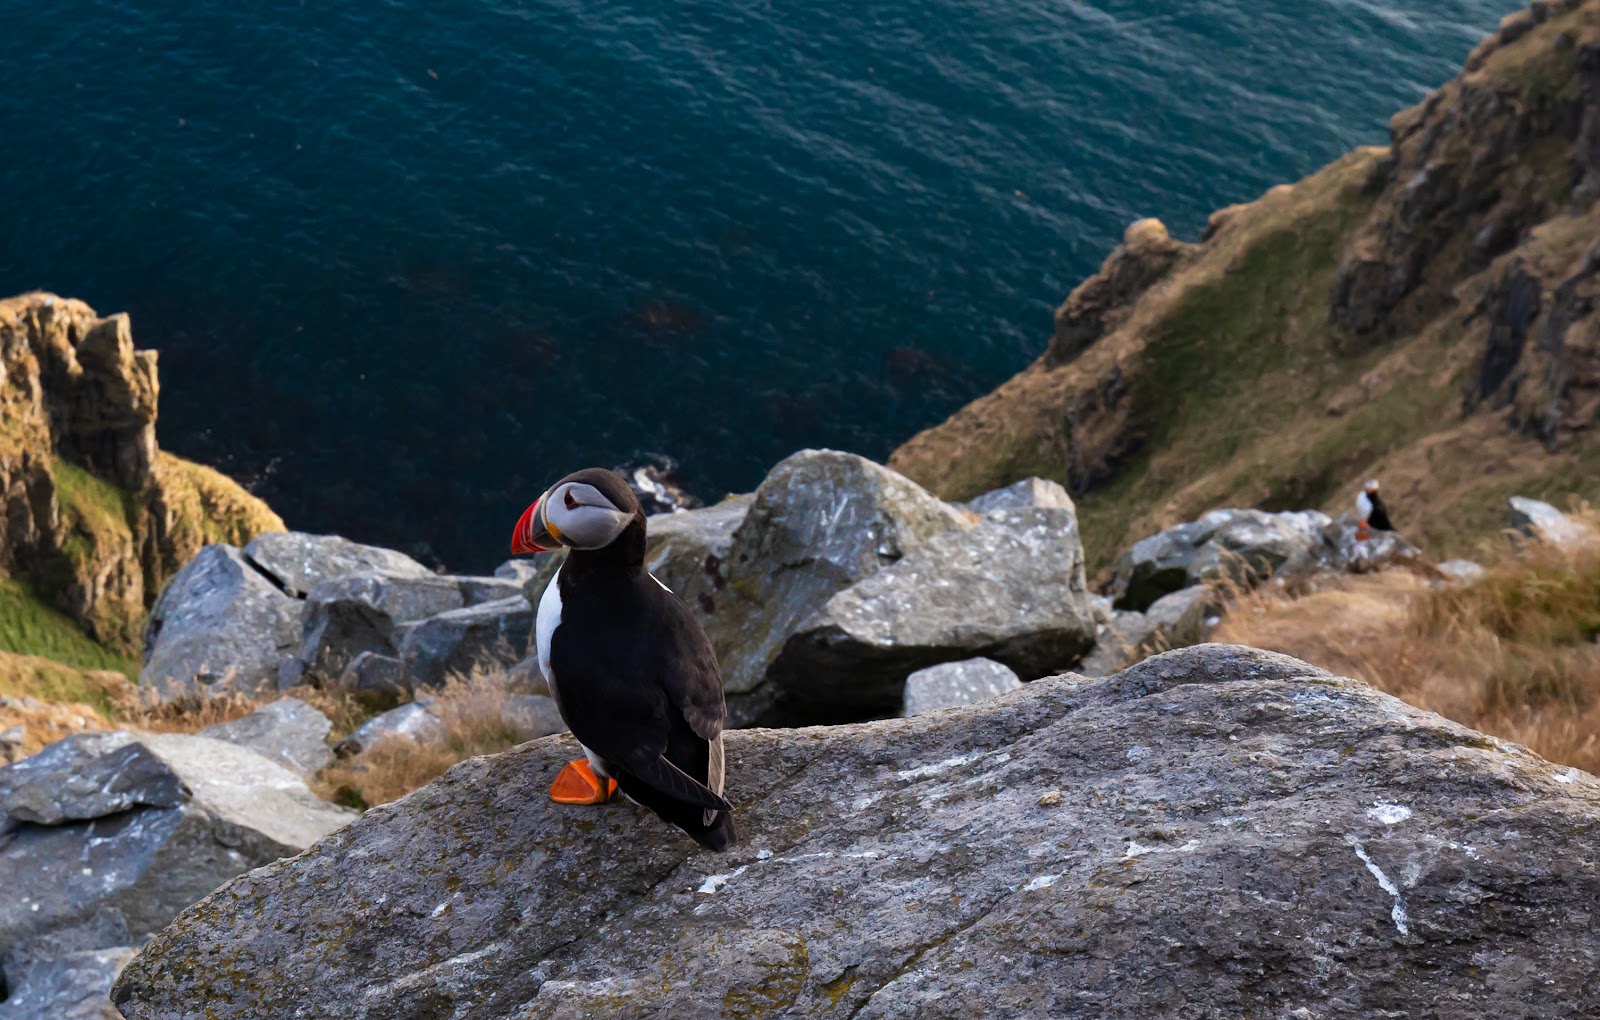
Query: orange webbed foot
577 784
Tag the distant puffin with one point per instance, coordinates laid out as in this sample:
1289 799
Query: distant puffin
631 671
1370 511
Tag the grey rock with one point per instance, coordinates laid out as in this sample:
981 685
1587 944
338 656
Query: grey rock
1544 523
65 974
1248 546
953 684
362 613
375 678
819 522
11 740
1156 566
71 986
1012 589
688 551
1116 643
219 626
483 638
1030 492
1178 620
1102 607
1343 550
298 562
88 775
141 826
1461 571
1216 832
414 721
533 715
287 731
475 591
526 677
1241 547
518 571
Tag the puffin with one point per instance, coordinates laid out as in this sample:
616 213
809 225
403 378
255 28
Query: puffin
628 665
1370 511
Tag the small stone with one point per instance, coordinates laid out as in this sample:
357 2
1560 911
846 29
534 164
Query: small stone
952 684
1050 798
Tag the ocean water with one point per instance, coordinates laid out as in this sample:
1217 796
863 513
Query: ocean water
408 263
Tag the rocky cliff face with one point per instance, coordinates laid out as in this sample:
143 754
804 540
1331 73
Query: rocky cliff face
1217 832
93 516
1424 312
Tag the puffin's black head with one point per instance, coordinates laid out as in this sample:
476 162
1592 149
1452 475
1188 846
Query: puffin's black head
588 509
1371 486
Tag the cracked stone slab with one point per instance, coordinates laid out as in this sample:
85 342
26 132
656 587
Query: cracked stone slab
1215 832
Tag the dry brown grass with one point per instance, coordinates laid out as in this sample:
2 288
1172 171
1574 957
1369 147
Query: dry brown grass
1515 654
137 709
474 713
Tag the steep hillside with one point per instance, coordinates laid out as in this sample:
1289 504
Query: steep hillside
1423 313
93 516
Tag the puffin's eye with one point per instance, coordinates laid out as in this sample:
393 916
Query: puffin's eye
571 503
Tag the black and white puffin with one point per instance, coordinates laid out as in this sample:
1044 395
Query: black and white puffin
1370 511
628 665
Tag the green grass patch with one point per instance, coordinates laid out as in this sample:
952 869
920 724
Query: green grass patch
30 627
96 506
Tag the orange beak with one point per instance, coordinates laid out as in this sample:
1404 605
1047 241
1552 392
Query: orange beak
530 529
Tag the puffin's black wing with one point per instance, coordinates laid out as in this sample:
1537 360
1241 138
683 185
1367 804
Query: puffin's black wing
1379 518
638 686
688 668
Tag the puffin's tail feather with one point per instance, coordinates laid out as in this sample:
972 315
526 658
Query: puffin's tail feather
719 834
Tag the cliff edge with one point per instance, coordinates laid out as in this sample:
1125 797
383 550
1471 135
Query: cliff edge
94 517
1422 312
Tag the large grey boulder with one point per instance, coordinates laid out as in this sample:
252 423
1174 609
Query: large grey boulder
819 522
484 638
1247 546
687 550
298 562
954 684
1030 492
1012 589
1236 546
121 831
219 626
1216 832
1542 522
287 731
346 616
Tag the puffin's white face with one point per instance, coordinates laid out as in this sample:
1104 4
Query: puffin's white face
573 514
580 516
1372 486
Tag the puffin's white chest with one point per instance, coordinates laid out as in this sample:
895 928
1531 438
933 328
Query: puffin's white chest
1364 506
546 621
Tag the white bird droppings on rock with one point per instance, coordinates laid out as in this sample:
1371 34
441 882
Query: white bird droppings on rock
714 883
1388 814
1398 914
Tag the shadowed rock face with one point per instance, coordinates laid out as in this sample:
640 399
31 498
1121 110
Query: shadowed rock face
92 513
1216 832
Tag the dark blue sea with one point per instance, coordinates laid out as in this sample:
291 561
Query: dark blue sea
407 263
